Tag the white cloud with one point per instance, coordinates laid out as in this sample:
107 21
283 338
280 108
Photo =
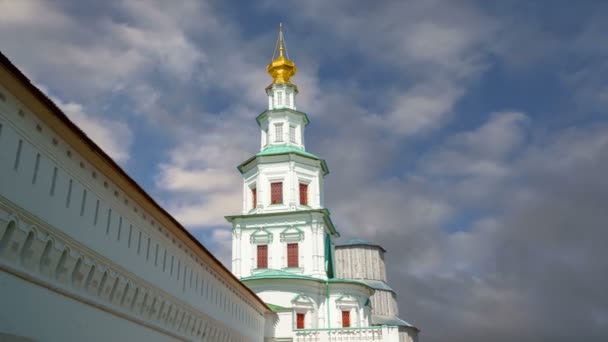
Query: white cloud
114 137
481 152
421 108
207 212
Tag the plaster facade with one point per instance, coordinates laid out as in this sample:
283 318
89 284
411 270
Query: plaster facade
78 234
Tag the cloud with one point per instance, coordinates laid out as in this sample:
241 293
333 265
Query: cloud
493 222
421 108
208 212
114 137
531 251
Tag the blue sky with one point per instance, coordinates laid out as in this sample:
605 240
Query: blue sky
470 138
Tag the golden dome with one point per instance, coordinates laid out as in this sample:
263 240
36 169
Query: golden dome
281 69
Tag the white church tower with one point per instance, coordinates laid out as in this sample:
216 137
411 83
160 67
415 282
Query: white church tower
283 225
283 240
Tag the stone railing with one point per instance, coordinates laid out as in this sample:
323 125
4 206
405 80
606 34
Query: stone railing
380 333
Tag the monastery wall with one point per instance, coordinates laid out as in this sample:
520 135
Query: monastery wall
90 251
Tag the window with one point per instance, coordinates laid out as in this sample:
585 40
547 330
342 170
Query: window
292 134
278 132
345 319
276 193
254 197
262 256
292 255
299 320
303 194
279 98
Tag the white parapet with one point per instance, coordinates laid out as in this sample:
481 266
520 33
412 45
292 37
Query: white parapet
380 333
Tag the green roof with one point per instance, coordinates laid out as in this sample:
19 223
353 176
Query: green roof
275 150
324 211
277 308
281 149
360 242
390 320
279 274
259 118
376 284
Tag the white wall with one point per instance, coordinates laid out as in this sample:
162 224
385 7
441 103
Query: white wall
311 247
42 176
282 292
39 314
291 173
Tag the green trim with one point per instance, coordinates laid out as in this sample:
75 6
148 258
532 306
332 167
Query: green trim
380 320
377 284
277 308
326 217
259 118
329 258
271 273
285 148
359 242
276 150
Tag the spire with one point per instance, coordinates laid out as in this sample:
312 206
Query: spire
280 45
281 68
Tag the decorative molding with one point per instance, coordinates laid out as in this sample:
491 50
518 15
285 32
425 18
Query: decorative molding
261 236
292 234
40 254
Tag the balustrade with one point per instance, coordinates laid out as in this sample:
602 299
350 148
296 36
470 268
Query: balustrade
380 333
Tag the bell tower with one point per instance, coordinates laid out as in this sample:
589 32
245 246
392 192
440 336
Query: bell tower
283 224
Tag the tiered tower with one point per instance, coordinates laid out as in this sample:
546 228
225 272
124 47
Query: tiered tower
283 240
283 225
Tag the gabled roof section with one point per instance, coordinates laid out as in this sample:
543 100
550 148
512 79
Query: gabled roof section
346 297
302 298
262 115
281 149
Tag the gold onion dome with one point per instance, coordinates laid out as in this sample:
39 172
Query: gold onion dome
281 69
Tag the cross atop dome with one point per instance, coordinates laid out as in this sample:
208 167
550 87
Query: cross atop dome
281 68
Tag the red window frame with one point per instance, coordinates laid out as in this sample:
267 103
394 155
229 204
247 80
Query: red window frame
262 254
300 320
303 194
345 319
254 193
276 193
292 255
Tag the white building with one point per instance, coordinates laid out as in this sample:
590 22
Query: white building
283 240
87 255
